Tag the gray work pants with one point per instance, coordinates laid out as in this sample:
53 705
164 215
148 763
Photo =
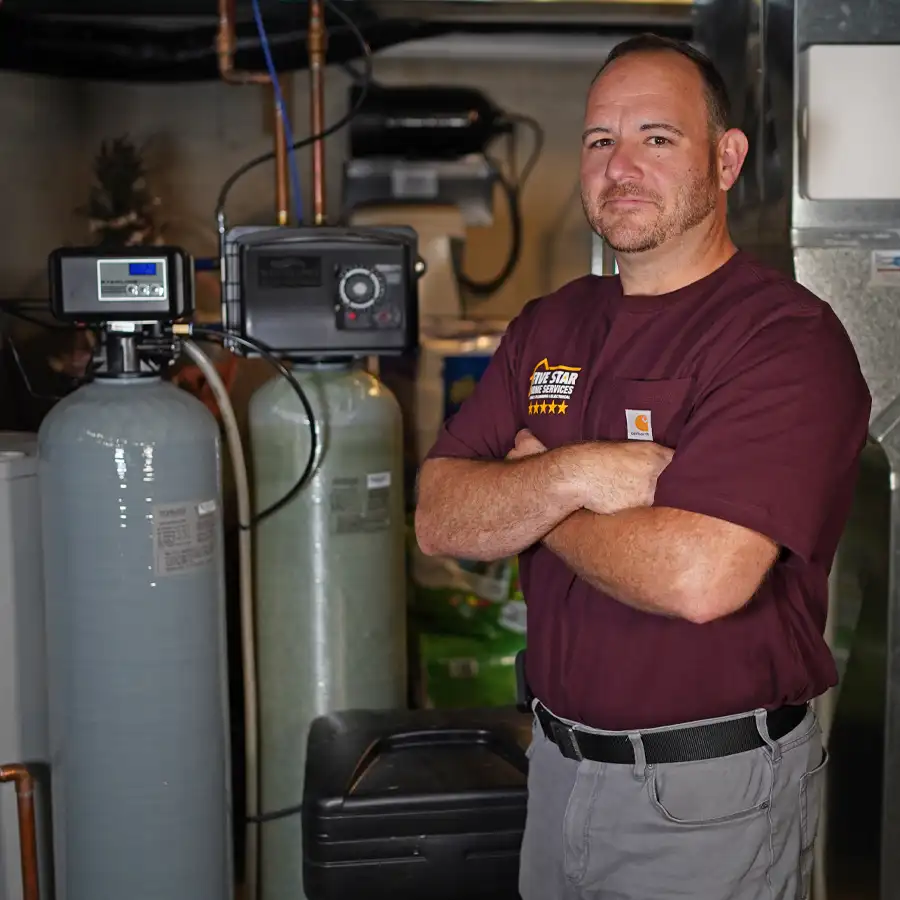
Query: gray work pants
738 827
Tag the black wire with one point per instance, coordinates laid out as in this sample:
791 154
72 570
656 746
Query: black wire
269 356
221 337
367 78
536 147
273 360
486 288
14 313
285 813
27 381
512 190
17 359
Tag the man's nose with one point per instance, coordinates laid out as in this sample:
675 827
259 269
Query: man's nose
621 165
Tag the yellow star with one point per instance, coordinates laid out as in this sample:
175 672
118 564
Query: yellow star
563 407
553 407
543 407
530 409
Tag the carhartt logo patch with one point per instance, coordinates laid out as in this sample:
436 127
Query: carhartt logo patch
638 423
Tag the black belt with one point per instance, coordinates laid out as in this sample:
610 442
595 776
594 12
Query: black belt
688 744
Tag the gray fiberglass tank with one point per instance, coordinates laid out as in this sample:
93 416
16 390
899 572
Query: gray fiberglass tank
331 605
131 507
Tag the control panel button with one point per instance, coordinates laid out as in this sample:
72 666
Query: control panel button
389 317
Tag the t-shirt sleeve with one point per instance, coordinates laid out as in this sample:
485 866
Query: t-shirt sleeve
773 442
486 424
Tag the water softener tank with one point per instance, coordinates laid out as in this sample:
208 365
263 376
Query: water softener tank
331 604
131 505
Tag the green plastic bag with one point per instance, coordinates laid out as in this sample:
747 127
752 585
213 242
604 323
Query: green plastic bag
471 599
467 672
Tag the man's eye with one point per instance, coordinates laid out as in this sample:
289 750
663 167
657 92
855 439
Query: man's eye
659 141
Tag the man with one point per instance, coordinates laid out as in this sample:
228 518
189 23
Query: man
672 452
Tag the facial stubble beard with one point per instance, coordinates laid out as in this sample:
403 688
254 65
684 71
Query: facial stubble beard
694 201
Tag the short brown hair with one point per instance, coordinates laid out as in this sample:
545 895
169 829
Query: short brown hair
717 99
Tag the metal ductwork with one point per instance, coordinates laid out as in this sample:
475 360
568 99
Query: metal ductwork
174 40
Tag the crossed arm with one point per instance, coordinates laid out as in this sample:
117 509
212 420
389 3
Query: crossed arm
591 505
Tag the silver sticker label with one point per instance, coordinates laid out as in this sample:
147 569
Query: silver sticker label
184 536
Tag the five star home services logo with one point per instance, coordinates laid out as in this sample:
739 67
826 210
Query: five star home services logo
551 388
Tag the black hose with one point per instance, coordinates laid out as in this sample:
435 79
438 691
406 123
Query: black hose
512 190
486 288
269 356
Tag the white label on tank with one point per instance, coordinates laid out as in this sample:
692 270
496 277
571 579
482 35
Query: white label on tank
885 271
377 480
356 506
184 536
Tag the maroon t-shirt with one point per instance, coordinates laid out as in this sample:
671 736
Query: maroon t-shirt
754 383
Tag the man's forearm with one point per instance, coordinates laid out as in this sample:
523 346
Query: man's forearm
487 510
664 561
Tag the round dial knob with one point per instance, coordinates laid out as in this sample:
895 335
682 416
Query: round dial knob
360 288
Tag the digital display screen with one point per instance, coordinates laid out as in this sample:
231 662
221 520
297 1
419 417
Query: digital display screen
289 271
142 268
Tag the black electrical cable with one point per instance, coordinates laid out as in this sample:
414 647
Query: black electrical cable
512 190
272 359
486 288
269 356
285 813
368 77
15 313
221 337
536 147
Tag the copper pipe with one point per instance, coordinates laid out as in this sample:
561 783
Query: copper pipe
281 166
317 41
27 827
225 44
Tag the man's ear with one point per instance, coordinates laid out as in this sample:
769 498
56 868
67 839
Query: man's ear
731 151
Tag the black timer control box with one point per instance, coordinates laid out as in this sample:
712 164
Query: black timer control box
129 284
324 291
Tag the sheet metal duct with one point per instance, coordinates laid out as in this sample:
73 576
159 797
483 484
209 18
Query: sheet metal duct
166 41
625 12
832 220
846 239
818 198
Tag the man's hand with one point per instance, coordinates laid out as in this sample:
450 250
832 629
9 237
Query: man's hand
612 476
621 475
526 445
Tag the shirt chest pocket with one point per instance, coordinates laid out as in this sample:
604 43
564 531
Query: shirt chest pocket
637 410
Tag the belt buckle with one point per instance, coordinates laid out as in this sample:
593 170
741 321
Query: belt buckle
566 740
